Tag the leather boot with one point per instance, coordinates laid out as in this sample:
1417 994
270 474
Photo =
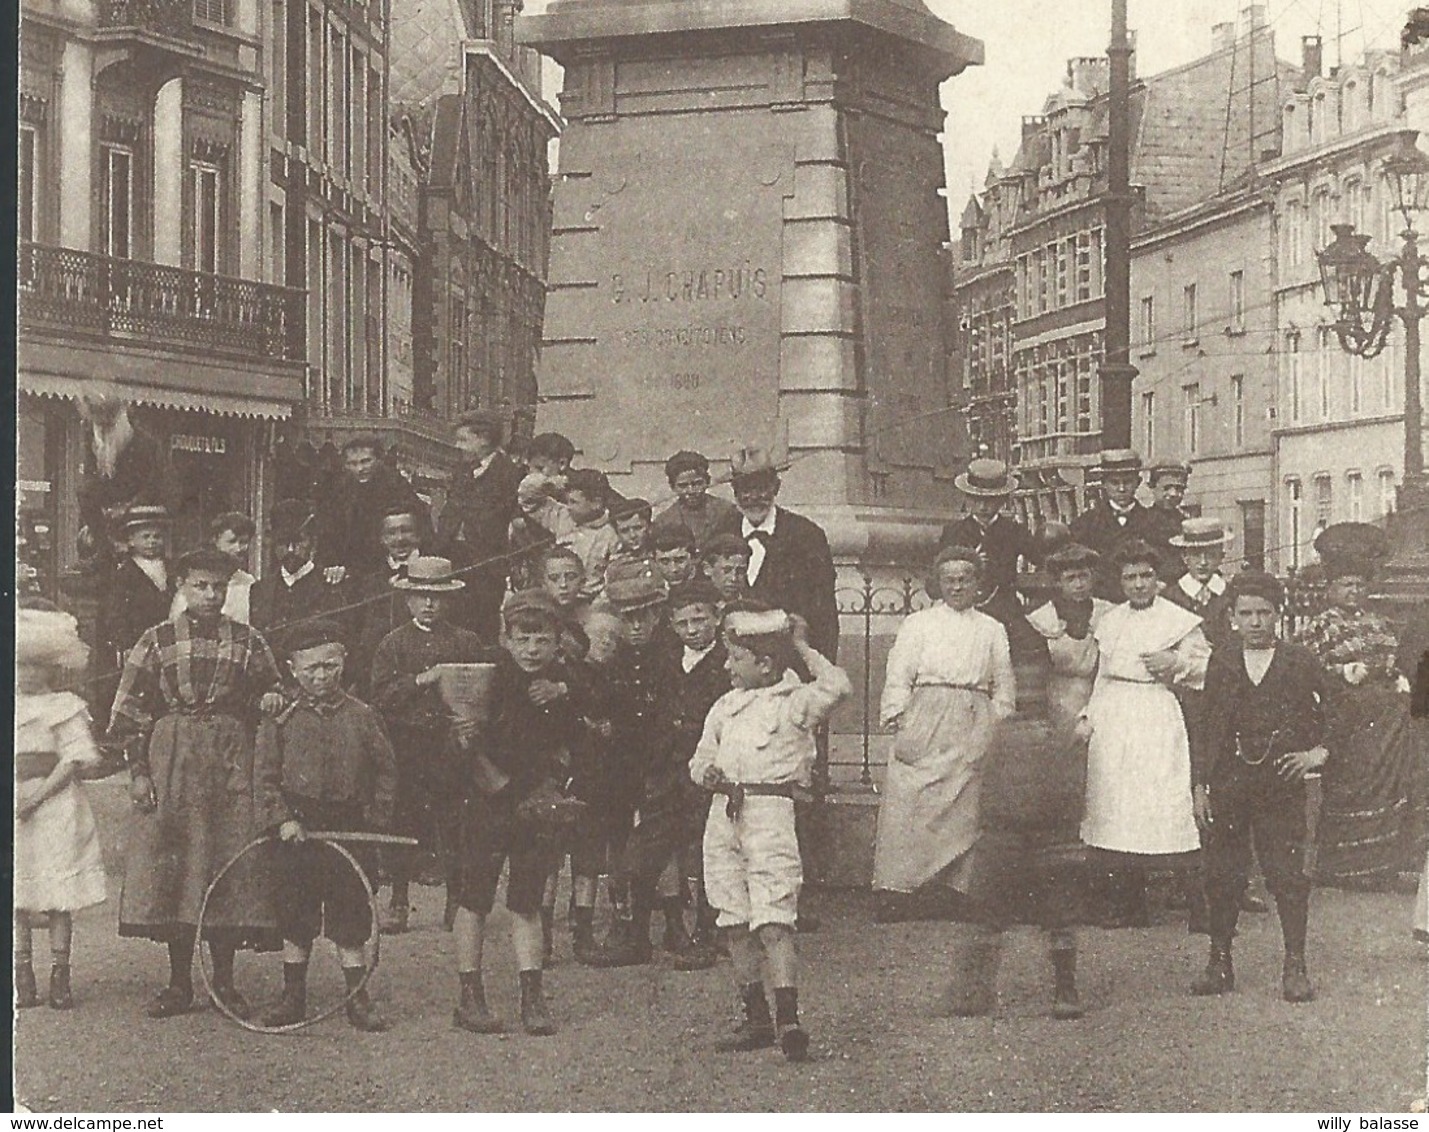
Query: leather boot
361 1014
472 1013
27 994
627 944
1295 983
60 996
756 1028
676 939
972 991
535 1018
292 1008
1066 1003
583 936
1219 975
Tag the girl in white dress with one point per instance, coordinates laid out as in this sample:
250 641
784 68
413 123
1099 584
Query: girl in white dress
58 867
949 680
1139 758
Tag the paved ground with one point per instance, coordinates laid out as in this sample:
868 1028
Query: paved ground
641 1039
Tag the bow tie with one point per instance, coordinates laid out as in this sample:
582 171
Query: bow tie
761 537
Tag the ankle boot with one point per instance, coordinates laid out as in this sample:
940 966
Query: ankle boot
1066 1003
677 938
627 944
472 1013
756 1029
973 989
1295 983
1219 975
292 1008
583 936
361 1014
535 1018
27 994
60 996
548 923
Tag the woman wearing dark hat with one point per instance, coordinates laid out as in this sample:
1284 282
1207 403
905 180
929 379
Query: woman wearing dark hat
1369 830
949 680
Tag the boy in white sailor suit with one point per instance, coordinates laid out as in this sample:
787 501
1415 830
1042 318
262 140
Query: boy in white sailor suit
757 748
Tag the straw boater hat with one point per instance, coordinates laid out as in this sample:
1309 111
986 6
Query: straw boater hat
987 478
1114 460
1180 473
145 515
48 636
746 623
430 575
1199 534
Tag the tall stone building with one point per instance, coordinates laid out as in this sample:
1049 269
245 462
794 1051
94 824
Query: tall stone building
1196 129
469 99
142 262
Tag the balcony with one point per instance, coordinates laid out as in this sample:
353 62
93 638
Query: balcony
79 294
165 17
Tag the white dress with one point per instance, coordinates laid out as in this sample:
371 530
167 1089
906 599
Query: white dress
1074 662
1139 759
949 681
58 865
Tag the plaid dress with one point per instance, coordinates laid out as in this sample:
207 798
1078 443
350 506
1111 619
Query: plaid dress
185 712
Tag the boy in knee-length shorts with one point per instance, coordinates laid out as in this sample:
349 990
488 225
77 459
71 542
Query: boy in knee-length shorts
756 750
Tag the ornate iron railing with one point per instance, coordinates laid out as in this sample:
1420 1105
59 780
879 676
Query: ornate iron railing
872 603
169 17
61 289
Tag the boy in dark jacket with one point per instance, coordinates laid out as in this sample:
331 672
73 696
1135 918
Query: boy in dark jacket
323 764
1248 766
536 724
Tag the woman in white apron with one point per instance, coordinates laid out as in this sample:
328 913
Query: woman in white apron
1139 757
949 680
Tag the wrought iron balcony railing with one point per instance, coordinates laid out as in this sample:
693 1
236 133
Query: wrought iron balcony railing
168 17
75 292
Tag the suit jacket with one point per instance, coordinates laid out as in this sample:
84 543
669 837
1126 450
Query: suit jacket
717 516
348 520
1165 525
1215 614
1098 528
378 610
1001 544
478 513
798 576
130 603
273 605
1283 713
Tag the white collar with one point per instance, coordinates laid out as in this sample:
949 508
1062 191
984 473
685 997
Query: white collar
417 624
302 572
480 469
1118 510
1192 588
155 569
395 564
691 657
767 526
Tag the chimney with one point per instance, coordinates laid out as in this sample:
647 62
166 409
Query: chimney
1089 74
1223 36
1131 60
1252 19
1312 55
1031 124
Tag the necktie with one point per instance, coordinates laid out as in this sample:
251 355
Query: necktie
761 537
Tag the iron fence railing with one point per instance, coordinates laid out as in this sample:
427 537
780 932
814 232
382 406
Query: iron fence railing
68 290
872 603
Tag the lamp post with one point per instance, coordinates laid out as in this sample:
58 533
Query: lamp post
1363 291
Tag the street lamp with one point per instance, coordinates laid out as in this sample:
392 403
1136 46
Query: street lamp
1361 289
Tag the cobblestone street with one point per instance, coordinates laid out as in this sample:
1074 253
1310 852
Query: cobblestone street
641 1038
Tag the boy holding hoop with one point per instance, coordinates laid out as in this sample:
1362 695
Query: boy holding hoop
323 763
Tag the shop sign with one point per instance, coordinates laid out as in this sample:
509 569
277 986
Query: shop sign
33 485
208 445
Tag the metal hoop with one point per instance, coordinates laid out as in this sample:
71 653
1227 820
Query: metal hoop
374 940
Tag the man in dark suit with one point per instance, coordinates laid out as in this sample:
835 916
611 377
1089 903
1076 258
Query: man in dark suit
790 566
295 591
135 595
378 607
349 515
1168 486
1116 518
1000 539
476 521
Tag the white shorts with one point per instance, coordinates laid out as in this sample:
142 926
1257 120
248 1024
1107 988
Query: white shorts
752 868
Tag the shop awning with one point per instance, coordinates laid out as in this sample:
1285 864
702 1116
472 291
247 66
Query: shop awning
224 404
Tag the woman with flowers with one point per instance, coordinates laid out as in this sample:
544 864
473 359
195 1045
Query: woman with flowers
1370 830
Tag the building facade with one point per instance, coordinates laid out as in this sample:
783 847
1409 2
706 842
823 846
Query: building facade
141 263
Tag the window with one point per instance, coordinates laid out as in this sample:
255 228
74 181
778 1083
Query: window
1325 358
1292 373
29 187
1084 265
1352 201
358 109
1066 256
1387 497
1294 233
277 245
203 238
117 201
1148 424
1191 396
1188 311
278 68
211 11
316 86
1355 483
1252 524
1324 500
1388 387
1148 321
1042 269
1295 519
1320 218
1357 365
1238 410
338 153
1237 302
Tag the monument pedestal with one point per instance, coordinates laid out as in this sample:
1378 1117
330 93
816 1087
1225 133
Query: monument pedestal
749 245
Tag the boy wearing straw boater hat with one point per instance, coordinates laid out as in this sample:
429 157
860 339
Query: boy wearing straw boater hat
135 594
1117 517
1000 539
1201 545
757 748
323 763
404 688
183 715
